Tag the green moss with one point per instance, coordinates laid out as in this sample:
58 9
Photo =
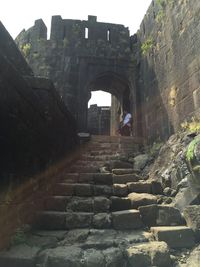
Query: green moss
159 16
25 49
190 150
147 45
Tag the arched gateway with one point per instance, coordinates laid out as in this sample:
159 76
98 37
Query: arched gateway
82 56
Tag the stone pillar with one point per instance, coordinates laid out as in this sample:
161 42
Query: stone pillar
57 29
116 111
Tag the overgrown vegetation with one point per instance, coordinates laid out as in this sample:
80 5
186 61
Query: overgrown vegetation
191 126
146 46
160 16
25 49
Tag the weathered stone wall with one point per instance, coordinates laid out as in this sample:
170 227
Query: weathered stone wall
99 120
77 63
168 63
37 131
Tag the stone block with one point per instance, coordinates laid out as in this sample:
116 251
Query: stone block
93 257
56 203
78 220
139 187
120 190
64 189
83 190
19 256
51 220
125 178
103 178
80 204
127 219
141 199
101 204
156 188
63 256
174 236
114 257
192 217
123 171
100 238
102 220
118 203
160 215
103 190
149 254
86 178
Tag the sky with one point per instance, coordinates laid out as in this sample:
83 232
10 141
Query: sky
17 15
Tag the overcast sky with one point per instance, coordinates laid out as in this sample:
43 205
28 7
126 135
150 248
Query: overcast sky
17 15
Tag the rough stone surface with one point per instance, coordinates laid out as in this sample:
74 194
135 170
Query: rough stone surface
120 190
78 219
142 199
101 204
174 236
160 215
125 178
140 161
19 256
118 203
102 221
149 254
140 187
192 217
128 219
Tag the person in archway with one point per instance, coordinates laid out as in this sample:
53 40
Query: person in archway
125 125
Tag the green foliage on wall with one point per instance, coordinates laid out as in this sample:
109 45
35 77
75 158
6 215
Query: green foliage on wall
25 49
147 45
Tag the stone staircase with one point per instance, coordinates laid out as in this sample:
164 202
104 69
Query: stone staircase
109 218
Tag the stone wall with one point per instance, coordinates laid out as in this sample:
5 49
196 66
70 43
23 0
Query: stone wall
168 62
99 120
79 57
37 131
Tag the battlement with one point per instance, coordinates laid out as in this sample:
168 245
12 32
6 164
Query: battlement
90 29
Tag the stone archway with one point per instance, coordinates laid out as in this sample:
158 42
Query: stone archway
119 89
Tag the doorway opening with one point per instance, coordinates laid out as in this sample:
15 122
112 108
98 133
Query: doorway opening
99 110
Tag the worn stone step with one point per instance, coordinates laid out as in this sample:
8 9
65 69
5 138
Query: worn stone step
124 171
52 220
120 203
120 190
140 187
125 178
84 169
94 204
56 203
149 254
127 219
93 178
161 215
174 236
141 199
81 189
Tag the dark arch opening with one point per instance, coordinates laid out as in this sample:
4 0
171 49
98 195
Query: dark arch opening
119 89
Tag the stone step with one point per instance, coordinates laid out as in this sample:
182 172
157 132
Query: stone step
125 178
76 189
175 236
141 199
119 220
124 171
127 219
92 178
149 254
84 169
161 215
79 247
